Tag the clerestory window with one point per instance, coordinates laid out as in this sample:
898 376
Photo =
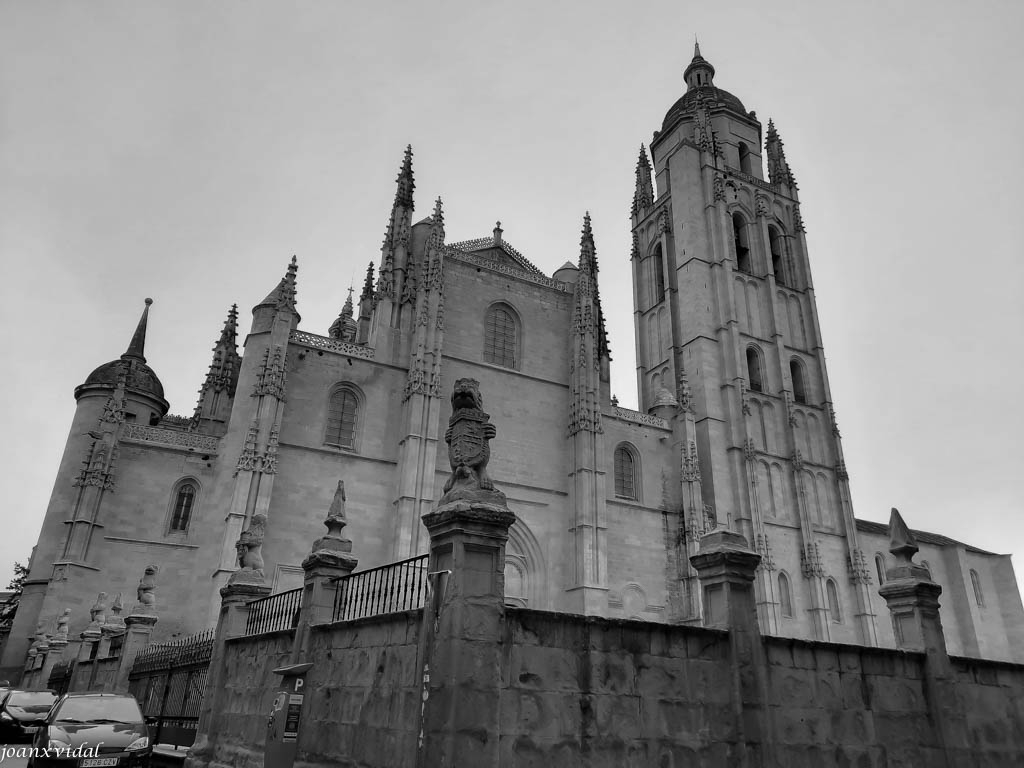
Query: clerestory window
501 337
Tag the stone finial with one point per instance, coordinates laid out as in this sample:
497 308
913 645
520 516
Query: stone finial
664 397
335 521
497 234
115 622
98 612
250 553
901 541
468 436
903 546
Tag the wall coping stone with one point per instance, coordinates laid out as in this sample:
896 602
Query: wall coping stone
261 635
380 618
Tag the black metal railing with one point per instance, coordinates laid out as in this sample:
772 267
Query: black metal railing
168 680
280 611
399 586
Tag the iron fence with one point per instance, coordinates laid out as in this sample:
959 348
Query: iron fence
60 677
168 681
280 611
399 586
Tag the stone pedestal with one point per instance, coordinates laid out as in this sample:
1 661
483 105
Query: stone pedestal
234 612
319 589
462 632
138 630
90 637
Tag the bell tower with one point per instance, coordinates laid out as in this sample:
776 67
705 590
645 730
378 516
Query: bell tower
724 302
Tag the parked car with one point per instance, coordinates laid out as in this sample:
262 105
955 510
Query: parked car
93 730
22 713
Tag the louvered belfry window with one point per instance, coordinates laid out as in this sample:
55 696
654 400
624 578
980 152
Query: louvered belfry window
183 507
501 338
341 419
625 473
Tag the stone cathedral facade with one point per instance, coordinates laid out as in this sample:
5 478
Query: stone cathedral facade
735 425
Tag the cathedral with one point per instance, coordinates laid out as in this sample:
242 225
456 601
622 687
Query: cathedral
735 426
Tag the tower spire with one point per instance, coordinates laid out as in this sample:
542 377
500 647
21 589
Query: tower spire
643 195
344 327
699 73
778 168
218 390
137 346
283 295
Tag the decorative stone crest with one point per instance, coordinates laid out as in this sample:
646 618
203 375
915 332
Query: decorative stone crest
749 449
691 464
683 393
268 461
798 219
857 565
762 204
468 437
798 460
271 378
719 188
764 549
247 458
810 561
664 225
249 549
841 472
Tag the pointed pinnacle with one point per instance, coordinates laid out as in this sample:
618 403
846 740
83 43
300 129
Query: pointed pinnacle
137 346
438 212
406 183
643 162
230 330
901 541
346 311
696 48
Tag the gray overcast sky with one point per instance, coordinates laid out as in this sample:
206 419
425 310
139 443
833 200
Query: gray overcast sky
185 151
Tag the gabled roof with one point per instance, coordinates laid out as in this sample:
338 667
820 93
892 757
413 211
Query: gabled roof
483 244
923 537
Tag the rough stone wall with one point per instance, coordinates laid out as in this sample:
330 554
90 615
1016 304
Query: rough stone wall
363 693
594 692
250 686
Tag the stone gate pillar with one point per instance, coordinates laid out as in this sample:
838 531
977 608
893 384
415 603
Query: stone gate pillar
913 600
726 567
463 622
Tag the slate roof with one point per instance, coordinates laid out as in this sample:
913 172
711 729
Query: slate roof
923 537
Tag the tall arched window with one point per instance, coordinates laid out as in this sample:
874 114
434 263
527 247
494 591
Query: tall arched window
658 267
184 501
739 238
744 158
775 246
754 370
785 596
979 596
796 373
501 337
880 569
834 609
342 410
625 473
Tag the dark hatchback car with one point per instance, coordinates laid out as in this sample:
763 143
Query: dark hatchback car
93 730
22 713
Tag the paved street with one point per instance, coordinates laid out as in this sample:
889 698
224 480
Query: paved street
13 762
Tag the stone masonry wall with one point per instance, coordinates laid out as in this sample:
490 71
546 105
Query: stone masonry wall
250 686
362 694
597 692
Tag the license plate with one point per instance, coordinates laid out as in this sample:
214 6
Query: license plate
97 762
30 728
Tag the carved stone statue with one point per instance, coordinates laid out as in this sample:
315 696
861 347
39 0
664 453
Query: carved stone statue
62 625
250 553
468 436
146 592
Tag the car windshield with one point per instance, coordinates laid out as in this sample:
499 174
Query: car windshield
85 708
31 701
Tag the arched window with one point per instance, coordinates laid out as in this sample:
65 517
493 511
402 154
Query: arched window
778 263
658 267
834 608
979 596
184 501
796 373
625 473
754 370
739 238
744 158
880 569
501 337
342 410
785 596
